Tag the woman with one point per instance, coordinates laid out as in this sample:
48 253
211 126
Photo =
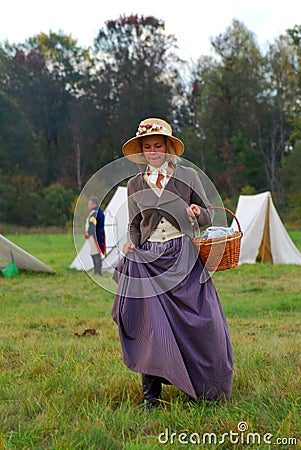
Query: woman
171 324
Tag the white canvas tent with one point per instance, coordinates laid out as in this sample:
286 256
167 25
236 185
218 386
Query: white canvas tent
116 223
22 259
265 238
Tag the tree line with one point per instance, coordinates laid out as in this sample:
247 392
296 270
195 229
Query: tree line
66 110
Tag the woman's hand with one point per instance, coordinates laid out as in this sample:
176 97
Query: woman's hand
128 248
193 211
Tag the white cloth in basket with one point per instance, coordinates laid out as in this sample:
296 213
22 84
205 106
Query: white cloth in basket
216 232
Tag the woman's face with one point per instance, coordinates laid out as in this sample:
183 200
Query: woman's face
154 150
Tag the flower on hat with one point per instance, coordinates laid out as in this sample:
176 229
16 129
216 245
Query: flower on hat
144 128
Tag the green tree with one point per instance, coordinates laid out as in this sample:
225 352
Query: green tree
193 113
55 205
48 73
42 100
17 201
295 41
290 181
85 113
138 62
276 112
224 94
18 150
65 60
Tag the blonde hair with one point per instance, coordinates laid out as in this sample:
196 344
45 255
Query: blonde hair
170 151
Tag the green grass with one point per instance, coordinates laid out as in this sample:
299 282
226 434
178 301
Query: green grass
58 391
296 238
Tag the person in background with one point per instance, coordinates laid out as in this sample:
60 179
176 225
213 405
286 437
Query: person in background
171 323
95 233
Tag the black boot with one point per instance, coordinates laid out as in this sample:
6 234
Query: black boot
97 261
151 387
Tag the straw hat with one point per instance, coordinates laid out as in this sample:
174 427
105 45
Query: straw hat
150 127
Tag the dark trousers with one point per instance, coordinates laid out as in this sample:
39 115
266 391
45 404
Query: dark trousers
97 261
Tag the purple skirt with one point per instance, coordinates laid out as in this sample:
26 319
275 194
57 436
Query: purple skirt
170 320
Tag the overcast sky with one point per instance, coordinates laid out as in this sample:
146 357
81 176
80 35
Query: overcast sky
192 22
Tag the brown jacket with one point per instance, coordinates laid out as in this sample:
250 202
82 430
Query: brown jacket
146 208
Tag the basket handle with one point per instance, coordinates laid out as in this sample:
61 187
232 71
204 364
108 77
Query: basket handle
222 208
230 212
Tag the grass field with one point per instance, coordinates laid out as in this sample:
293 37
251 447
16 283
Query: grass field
59 391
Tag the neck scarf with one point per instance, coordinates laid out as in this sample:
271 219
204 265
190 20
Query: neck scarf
158 175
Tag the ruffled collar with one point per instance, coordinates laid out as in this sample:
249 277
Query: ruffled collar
154 172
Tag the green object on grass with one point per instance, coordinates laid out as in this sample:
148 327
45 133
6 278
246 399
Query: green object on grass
10 270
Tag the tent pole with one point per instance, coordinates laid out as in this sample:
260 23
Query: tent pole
266 255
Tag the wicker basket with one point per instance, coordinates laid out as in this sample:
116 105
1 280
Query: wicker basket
220 253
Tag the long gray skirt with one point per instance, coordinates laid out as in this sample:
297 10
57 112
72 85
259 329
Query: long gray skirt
170 320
